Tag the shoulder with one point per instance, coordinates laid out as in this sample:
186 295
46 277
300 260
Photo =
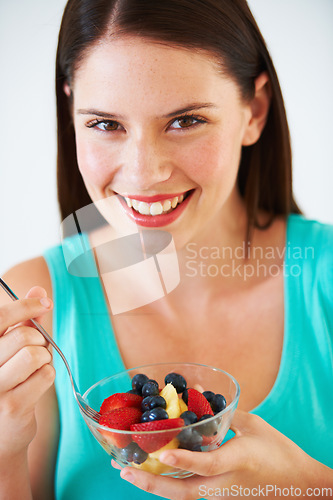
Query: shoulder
312 241
312 231
22 277
25 275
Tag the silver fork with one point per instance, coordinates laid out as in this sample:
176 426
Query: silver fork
84 407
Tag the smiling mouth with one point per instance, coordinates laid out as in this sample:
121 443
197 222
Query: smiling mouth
158 207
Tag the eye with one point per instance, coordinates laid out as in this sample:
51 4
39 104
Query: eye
186 121
104 125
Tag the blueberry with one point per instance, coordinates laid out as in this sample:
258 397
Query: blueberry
189 417
145 403
157 402
209 395
177 381
218 403
145 416
190 439
138 381
210 427
133 453
126 454
157 414
185 396
151 402
139 456
153 381
150 389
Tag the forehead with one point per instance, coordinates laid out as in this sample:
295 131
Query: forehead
148 71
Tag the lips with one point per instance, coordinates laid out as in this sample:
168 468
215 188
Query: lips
155 211
156 197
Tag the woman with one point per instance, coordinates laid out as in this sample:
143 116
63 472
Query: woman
170 117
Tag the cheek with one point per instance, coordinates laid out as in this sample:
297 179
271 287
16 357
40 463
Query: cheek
94 164
212 159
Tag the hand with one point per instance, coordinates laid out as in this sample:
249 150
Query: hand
258 455
25 370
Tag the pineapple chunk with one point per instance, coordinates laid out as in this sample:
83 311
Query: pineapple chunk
170 446
170 395
153 465
182 405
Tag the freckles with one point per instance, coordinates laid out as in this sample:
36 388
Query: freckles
207 162
94 166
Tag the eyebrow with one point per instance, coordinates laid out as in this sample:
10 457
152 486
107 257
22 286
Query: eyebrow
186 109
191 107
96 112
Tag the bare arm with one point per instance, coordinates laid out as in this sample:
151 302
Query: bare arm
28 413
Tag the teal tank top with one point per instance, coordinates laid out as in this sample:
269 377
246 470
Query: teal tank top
300 403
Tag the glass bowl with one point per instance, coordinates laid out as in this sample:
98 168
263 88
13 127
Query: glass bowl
205 436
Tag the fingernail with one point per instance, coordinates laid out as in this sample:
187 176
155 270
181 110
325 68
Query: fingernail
168 459
128 477
46 302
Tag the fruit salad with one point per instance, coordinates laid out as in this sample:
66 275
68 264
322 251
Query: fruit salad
146 407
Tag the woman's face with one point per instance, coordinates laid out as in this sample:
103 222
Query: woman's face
160 127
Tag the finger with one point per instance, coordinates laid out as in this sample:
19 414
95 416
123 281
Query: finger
31 390
115 465
36 292
165 487
39 293
16 339
21 366
245 424
231 456
22 310
190 488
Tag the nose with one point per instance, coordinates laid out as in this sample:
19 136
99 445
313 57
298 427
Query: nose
145 164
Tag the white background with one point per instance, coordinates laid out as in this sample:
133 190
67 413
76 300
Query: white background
299 36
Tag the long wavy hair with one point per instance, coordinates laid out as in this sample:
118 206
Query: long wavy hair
224 28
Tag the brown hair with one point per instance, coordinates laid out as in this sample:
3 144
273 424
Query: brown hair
224 28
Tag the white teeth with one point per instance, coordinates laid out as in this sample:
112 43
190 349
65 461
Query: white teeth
144 208
135 204
156 208
166 205
174 202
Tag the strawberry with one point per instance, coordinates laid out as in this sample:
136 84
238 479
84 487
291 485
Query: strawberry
198 403
120 400
153 442
121 419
